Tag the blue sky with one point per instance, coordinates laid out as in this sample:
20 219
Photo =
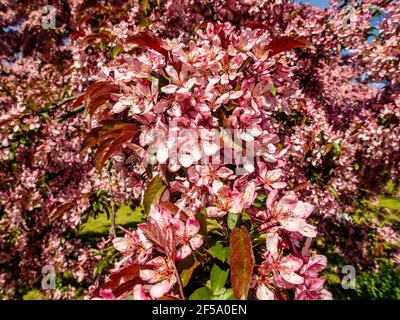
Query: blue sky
317 3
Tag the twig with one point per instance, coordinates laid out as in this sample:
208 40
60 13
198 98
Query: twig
112 203
69 114
61 103
178 278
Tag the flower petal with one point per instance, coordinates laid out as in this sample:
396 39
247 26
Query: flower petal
169 89
160 288
263 293
192 226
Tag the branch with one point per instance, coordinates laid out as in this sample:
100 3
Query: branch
70 114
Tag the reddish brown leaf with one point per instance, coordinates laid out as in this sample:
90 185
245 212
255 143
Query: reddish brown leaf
83 21
279 295
107 129
201 25
100 153
95 103
78 101
123 280
173 209
308 147
257 25
98 93
242 262
285 43
131 271
125 287
98 136
104 87
169 206
110 136
300 186
77 34
60 210
150 41
113 147
95 36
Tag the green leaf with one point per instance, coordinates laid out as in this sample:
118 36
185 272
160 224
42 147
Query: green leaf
214 289
336 147
153 192
213 225
245 216
202 293
116 51
144 4
334 192
11 156
261 197
219 252
224 294
356 166
273 90
99 268
218 278
232 220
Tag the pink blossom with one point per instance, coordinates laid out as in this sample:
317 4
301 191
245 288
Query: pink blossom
290 213
270 179
187 237
227 200
161 279
282 269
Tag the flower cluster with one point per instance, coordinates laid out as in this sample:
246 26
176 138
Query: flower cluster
312 101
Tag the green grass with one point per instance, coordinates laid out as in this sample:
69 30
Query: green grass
124 216
97 227
34 294
381 284
389 203
371 284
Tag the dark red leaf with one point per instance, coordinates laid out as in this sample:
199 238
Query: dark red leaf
173 209
107 129
112 148
61 209
97 102
110 136
256 25
285 43
148 40
78 101
95 36
123 280
98 93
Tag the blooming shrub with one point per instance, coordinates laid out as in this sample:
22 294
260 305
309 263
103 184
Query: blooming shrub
246 129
